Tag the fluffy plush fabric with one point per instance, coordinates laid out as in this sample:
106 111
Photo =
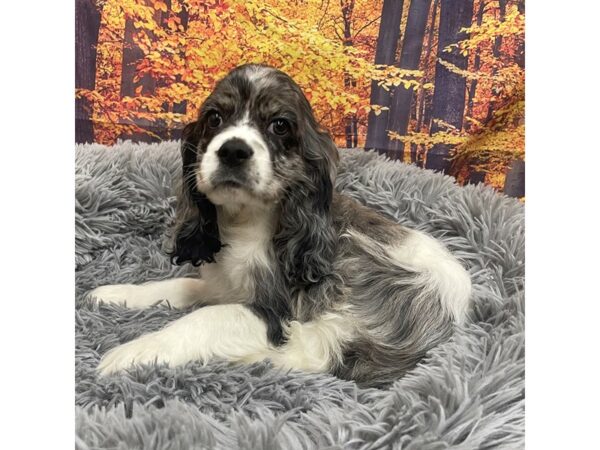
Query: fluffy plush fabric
467 394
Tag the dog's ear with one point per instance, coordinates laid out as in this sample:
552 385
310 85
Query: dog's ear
195 236
305 240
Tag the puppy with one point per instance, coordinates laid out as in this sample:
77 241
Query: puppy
291 270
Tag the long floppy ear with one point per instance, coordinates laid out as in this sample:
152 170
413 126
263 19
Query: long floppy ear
196 232
305 240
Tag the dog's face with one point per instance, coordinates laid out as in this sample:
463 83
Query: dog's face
257 144
250 137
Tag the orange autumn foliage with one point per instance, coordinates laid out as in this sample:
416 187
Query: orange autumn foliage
157 60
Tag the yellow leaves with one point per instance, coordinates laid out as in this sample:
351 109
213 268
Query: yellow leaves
176 6
215 21
455 69
389 77
305 39
160 6
509 142
445 125
91 95
474 122
513 26
377 109
442 137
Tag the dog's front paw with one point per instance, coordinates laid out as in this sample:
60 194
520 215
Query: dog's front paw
115 293
143 350
161 347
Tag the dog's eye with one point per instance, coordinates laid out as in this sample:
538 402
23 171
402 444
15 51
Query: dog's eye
214 120
280 127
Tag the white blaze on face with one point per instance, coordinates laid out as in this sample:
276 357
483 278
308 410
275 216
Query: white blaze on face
259 167
259 75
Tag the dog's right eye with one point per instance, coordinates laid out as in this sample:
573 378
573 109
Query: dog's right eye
280 127
214 120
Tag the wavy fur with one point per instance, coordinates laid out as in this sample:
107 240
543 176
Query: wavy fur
196 230
318 281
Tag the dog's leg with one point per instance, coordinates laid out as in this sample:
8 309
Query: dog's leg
179 292
234 333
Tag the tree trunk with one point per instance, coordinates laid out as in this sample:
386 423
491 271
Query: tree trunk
184 16
181 107
132 55
424 110
409 59
87 26
498 39
449 93
351 130
385 53
514 184
520 53
496 52
475 176
476 63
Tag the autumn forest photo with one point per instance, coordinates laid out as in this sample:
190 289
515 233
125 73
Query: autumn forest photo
435 83
243 282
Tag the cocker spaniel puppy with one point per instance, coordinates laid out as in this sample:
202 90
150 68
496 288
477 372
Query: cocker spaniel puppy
291 270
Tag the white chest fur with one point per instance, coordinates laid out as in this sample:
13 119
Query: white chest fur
247 246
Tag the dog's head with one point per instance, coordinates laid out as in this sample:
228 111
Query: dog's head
256 143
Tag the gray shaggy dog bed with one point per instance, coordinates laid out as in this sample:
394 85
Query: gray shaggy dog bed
466 394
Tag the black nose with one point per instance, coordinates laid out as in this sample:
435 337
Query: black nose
234 152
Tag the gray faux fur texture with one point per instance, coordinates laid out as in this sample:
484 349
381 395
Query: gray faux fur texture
467 394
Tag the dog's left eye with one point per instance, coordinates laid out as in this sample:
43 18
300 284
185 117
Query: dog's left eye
280 127
214 120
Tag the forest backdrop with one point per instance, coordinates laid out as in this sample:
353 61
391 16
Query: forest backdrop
437 83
